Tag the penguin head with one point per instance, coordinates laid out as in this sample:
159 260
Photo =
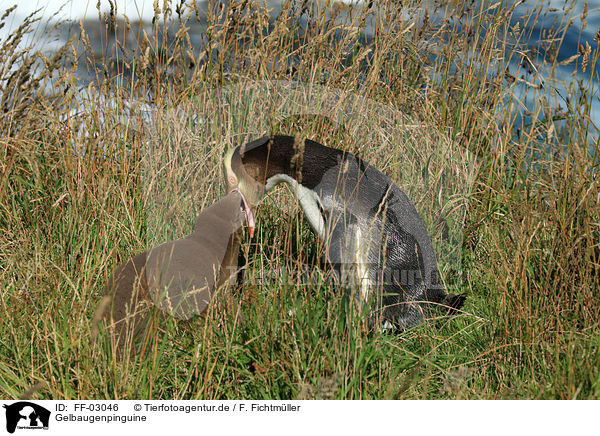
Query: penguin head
238 177
248 167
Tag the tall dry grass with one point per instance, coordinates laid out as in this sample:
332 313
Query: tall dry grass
74 203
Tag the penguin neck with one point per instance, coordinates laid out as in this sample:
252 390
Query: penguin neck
309 201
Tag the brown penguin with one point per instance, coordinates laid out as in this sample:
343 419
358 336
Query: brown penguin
179 276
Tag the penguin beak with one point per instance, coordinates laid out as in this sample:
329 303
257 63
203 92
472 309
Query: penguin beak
247 212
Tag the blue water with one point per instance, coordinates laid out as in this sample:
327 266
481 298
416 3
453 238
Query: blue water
554 89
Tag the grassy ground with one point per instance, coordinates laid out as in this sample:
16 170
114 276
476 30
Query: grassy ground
77 197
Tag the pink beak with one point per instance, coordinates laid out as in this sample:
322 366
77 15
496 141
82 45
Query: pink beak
247 212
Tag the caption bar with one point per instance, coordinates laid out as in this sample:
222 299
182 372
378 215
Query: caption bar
122 417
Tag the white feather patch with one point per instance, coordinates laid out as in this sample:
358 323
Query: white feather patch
361 268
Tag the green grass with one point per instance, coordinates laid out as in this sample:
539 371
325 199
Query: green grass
79 194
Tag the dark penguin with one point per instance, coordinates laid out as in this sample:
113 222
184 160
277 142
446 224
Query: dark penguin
374 237
179 276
